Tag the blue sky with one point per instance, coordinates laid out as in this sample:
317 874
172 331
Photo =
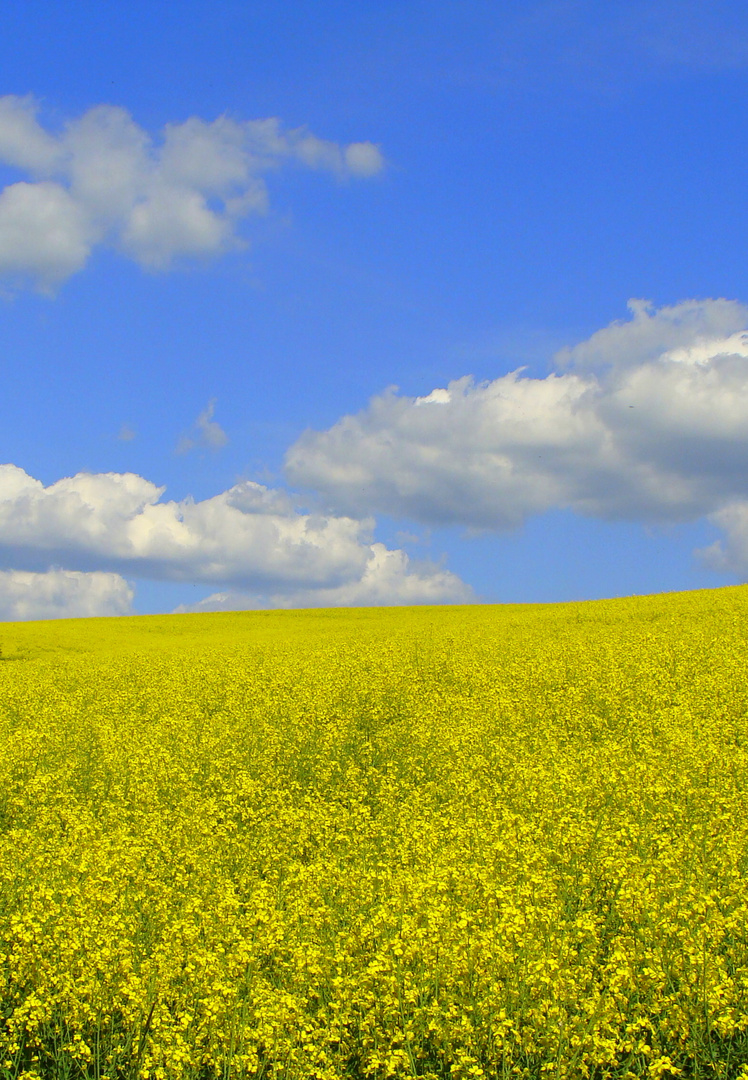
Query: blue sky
251 252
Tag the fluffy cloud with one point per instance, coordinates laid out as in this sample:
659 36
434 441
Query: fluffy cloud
250 538
44 233
730 555
389 578
103 179
62 594
651 334
648 420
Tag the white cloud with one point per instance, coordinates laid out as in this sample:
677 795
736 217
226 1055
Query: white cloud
729 556
23 143
389 578
250 538
206 432
363 159
62 594
44 234
653 333
103 179
648 420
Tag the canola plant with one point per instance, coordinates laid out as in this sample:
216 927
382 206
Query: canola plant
488 841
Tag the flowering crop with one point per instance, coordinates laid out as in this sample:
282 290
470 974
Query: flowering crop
485 841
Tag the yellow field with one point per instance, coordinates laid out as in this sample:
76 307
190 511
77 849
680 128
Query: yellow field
454 842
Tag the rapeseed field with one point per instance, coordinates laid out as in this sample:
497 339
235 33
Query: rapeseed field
489 841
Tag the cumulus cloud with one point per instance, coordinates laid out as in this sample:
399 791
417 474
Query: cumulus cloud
650 334
730 555
389 578
647 420
250 538
103 179
206 432
44 233
62 594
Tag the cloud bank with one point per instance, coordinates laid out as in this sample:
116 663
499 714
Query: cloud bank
389 578
645 421
104 180
250 540
62 594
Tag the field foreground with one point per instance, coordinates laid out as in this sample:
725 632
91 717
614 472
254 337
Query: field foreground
445 842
